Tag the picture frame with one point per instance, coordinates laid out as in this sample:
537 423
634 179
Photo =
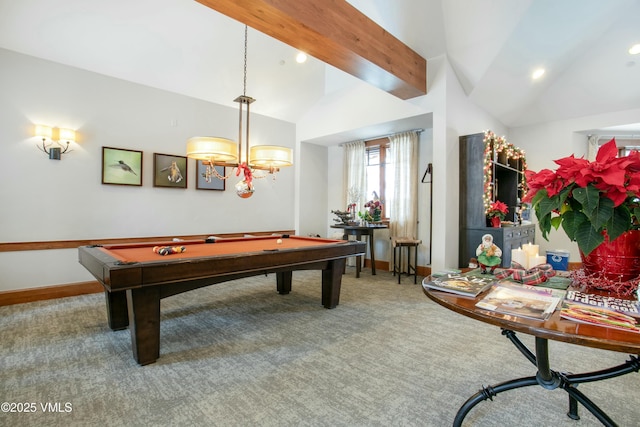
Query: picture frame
169 171
215 184
121 166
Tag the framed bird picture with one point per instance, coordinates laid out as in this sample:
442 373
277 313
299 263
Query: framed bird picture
121 166
206 180
169 171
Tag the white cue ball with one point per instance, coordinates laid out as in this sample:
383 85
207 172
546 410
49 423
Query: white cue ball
279 241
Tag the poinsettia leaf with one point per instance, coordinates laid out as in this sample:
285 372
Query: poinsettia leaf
588 238
562 197
588 197
602 214
544 222
540 195
547 205
571 221
619 223
636 213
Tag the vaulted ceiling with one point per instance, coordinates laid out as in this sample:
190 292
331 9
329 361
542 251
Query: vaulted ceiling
493 46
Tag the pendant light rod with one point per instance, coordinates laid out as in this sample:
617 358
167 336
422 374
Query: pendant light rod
216 151
242 100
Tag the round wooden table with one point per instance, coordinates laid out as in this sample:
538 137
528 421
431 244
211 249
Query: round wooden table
553 328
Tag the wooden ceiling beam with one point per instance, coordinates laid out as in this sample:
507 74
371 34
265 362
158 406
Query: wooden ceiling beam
338 34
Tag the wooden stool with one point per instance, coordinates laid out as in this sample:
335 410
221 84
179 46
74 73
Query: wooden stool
403 242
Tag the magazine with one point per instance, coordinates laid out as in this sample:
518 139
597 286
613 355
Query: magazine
560 293
629 307
470 286
447 272
519 301
598 316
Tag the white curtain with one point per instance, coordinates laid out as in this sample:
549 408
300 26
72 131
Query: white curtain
592 147
355 174
403 195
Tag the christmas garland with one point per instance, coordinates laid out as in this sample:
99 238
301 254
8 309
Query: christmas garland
500 145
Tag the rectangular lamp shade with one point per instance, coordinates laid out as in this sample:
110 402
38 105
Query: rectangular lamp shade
66 135
43 131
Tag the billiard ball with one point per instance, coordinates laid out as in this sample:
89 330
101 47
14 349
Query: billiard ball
279 241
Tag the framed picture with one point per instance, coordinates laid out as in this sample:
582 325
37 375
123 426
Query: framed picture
169 171
121 166
213 182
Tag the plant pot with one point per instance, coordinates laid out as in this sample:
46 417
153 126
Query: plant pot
495 222
618 260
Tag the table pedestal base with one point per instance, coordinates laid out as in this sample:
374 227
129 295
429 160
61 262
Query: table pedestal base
551 380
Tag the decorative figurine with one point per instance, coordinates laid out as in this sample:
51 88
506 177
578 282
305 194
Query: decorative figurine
489 255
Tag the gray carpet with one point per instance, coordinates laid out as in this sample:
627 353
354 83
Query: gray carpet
239 354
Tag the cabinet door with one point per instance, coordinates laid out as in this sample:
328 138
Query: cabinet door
514 238
507 245
528 234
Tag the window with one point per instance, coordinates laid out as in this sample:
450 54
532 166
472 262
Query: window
625 144
627 149
379 171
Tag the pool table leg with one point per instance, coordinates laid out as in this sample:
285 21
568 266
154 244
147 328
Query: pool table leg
284 279
144 318
117 309
331 283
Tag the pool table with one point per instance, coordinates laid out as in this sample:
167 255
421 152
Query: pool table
136 278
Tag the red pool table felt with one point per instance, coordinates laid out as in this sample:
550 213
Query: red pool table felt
143 252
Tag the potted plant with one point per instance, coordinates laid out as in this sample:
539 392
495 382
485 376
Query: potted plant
496 213
594 202
375 209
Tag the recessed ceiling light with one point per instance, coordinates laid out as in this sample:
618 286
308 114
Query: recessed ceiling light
301 57
635 49
537 73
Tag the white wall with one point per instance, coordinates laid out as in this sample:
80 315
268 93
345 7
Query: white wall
46 199
351 106
312 190
453 115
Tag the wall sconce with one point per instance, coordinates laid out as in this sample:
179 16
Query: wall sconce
58 135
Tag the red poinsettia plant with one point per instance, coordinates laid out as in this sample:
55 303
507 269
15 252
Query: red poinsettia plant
589 199
497 209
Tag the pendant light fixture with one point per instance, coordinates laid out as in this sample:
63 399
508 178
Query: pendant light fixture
217 151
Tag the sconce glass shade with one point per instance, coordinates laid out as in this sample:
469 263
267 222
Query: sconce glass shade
66 135
212 148
43 131
270 156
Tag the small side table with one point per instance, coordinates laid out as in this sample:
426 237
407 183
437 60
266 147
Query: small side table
359 231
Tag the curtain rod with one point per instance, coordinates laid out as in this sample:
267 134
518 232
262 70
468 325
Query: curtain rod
383 136
619 136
